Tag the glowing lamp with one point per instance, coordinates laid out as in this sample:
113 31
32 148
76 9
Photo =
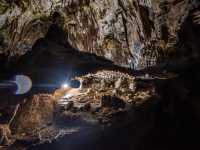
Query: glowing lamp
65 85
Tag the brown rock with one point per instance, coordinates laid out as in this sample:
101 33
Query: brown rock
5 133
34 114
138 33
112 101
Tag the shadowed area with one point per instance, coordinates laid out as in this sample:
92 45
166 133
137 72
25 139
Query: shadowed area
53 61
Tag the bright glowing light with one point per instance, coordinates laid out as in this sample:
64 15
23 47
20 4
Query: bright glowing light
65 85
23 83
67 96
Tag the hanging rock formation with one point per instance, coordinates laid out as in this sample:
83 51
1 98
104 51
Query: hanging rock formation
132 33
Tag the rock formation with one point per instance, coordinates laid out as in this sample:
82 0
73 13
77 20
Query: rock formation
138 66
104 99
132 33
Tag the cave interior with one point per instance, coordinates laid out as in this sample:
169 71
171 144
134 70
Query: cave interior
169 119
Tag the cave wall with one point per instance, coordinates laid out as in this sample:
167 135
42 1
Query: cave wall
132 33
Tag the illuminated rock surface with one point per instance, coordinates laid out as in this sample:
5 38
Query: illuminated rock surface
156 106
137 33
104 99
110 106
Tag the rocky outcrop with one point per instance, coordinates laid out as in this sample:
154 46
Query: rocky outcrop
134 33
112 107
34 114
105 100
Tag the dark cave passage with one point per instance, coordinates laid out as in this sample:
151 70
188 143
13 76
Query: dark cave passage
53 61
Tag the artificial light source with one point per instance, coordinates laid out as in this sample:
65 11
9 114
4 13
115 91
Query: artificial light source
65 85
22 82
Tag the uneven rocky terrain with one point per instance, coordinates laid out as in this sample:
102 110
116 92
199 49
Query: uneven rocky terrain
108 107
106 100
137 62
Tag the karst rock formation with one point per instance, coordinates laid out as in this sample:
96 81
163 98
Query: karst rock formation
137 63
132 33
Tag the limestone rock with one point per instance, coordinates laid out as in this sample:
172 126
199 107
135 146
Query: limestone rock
113 102
98 103
98 93
132 33
5 134
34 114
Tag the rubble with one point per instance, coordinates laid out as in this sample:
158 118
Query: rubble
100 100
35 113
5 134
